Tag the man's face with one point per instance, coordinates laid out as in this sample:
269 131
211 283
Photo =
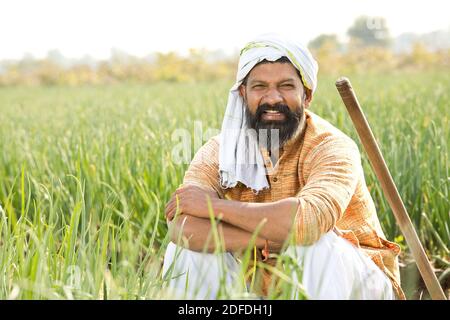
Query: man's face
275 99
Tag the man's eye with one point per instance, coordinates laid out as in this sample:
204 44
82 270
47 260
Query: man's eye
287 85
258 86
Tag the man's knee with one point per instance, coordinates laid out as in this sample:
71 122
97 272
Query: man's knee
332 268
184 258
203 271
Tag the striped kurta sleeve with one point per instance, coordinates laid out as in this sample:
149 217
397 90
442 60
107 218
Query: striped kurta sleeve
203 170
331 171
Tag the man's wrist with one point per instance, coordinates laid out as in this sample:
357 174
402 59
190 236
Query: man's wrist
216 204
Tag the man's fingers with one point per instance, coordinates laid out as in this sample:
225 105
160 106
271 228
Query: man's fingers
167 211
172 201
170 213
173 197
169 203
171 207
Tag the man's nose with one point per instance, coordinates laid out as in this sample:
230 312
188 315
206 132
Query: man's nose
272 96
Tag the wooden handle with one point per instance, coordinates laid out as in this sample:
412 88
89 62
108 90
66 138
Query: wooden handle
389 189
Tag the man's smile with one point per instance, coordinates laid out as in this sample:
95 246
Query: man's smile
273 115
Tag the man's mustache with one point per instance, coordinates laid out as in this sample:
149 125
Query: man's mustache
279 107
286 127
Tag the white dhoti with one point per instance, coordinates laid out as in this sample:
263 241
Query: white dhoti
332 268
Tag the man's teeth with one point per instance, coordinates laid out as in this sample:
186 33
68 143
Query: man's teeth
271 111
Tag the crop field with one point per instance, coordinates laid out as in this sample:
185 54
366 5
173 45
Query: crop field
85 173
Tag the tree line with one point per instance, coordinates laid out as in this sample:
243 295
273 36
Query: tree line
369 49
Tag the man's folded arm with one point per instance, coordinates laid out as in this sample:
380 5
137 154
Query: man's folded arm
196 234
203 172
334 167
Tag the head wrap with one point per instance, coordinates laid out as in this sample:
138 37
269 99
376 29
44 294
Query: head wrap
240 159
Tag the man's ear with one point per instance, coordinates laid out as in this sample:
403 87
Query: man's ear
242 91
308 97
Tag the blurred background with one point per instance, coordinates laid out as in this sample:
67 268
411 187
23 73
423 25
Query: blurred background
53 42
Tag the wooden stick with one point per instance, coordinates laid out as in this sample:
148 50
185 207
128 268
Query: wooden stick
389 189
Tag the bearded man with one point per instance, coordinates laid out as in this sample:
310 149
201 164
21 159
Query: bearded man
282 171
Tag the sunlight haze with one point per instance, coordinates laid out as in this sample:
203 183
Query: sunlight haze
78 28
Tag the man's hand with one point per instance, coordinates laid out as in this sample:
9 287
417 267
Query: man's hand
192 200
275 219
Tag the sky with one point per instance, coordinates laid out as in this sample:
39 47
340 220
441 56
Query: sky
94 27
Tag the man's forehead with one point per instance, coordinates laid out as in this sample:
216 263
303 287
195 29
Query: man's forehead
274 71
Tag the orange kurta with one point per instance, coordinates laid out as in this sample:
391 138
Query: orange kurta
321 167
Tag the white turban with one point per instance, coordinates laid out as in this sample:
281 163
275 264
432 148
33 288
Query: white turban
240 159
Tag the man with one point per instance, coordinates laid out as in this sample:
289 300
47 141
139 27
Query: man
293 174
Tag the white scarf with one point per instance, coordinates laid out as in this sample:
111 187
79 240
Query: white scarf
240 159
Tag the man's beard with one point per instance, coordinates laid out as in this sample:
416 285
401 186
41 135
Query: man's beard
285 128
